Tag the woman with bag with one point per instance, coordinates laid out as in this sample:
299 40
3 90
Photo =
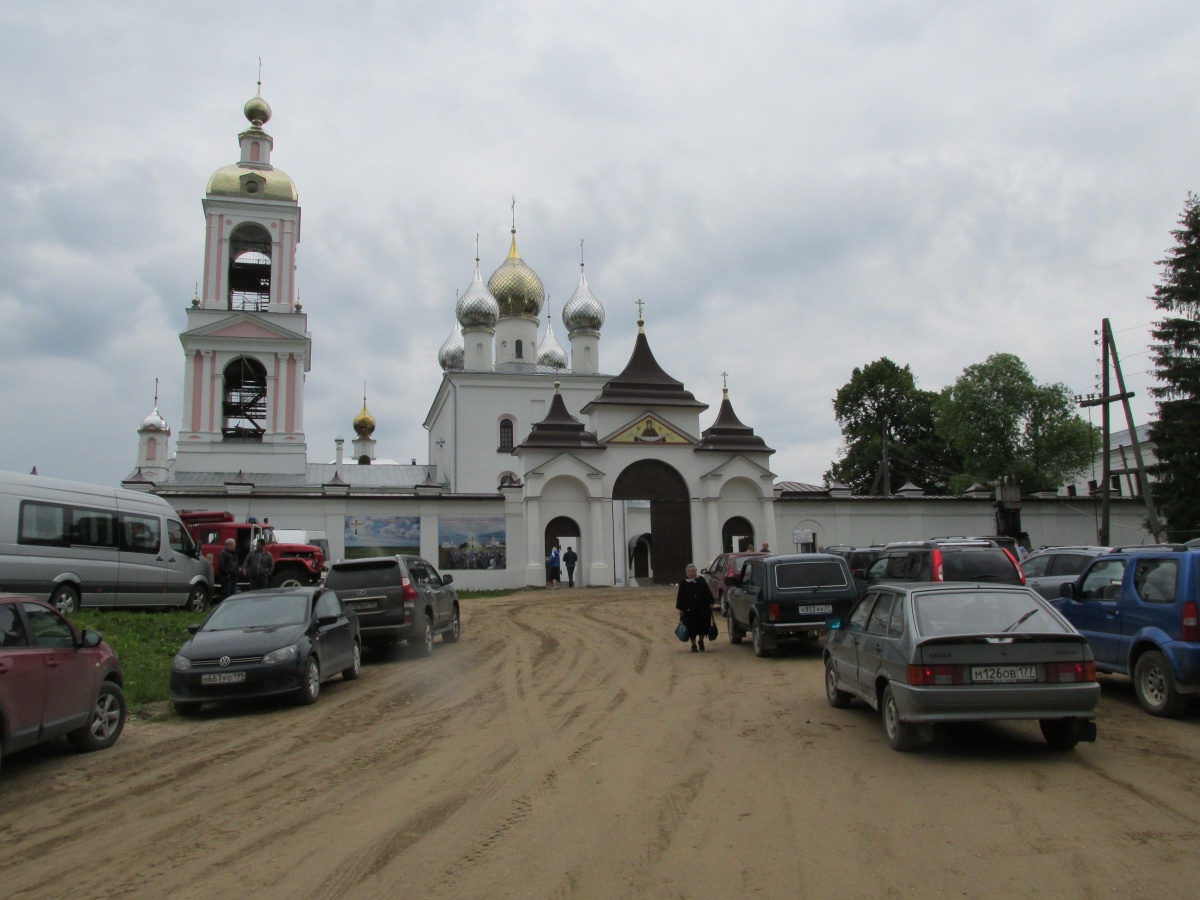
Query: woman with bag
694 602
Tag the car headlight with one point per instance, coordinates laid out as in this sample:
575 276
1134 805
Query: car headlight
283 654
181 663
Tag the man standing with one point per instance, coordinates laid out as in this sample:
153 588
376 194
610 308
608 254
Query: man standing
227 569
555 568
259 566
569 559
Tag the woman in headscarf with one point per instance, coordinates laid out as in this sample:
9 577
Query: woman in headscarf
694 603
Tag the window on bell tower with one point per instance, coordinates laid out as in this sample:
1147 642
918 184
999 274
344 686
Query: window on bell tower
250 268
244 411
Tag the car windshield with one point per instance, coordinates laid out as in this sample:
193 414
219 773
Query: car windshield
990 564
259 611
374 574
983 612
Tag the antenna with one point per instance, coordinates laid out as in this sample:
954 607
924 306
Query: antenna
514 212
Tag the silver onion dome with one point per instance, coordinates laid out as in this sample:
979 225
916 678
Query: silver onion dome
583 312
454 350
550 351
477 308
155 422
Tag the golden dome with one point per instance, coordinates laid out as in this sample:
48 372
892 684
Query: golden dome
516 287
261 184
257 111
364 422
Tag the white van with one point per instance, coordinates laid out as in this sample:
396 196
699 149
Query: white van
83 545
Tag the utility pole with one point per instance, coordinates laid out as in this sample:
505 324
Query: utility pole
1111 359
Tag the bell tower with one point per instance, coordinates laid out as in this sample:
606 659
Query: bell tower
246 346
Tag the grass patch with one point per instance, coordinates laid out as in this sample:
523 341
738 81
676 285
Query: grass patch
471 595
145 642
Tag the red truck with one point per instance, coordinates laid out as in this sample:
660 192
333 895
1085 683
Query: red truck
295 564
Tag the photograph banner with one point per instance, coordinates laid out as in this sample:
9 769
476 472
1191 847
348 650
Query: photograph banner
471 542
382 536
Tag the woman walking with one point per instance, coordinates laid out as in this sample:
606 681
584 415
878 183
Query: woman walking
694 603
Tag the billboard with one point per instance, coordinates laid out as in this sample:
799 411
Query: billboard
382 536
471 542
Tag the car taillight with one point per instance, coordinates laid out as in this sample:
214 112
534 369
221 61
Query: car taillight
936 566
407 591
773 612
1191 622
1016 562
1069 672
935 675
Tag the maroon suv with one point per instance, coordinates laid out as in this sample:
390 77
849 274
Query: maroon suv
55 680
725 566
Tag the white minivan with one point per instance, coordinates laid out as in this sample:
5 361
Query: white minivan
84 545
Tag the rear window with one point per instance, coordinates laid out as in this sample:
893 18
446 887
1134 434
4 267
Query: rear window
983 612
990 564
823 573
375 574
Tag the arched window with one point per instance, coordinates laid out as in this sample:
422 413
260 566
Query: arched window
245 408
506 434
250 268
517 350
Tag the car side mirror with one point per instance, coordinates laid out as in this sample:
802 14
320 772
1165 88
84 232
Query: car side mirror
193 628
322 621
89 638
1067 589
447 579
731 580
833 624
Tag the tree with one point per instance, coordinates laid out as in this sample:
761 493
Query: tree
1176 354
1003 423
882 403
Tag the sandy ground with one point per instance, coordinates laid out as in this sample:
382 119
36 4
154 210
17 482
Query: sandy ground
569 746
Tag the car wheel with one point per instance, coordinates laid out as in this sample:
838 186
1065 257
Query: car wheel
423 645
837 698
1154 684
286 579
187 707
759 637
452 635
65 599
900 735
355 664
197 600
736 633
312 681
724 605
1060 734
108 719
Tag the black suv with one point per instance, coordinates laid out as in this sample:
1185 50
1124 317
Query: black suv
787 596
946 560
398 598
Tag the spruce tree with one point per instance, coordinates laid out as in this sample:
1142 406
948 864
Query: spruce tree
1176 354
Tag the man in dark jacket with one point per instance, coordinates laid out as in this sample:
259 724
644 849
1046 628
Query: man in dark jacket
227 569
569 559
259 566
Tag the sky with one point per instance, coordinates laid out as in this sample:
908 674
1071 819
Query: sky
794 190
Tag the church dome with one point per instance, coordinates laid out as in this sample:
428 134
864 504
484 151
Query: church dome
550 351
454 350
257 111
477 308
583 312
364 422
261 183
517 288
155 422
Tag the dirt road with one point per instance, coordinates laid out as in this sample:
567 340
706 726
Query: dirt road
570 747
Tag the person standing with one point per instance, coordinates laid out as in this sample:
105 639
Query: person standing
259 566
555 567
694 602
227 569
569 559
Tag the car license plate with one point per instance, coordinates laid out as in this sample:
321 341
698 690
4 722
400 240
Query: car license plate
815 610
1003 674
223 678
359 605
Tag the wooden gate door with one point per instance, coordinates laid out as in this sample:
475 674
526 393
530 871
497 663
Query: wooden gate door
671 526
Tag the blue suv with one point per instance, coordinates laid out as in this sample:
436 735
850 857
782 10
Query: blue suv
1139 608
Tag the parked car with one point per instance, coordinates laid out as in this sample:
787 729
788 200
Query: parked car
398 598
788 596
1139 608
945 560
1000 540
859 559
266 643
928 653
1047 570
727 565
55 680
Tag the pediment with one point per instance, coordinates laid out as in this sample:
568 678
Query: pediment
244 326
649 428
564 464
739 466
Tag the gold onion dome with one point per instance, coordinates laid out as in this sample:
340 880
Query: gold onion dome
364 422
454 350
550 351
477 308
257 111
516 287
583 312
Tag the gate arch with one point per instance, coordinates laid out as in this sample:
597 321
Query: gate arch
740 529
670 514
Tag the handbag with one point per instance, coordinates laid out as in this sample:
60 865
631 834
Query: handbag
712 627
681 631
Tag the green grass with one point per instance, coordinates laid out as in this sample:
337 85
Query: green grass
471 595
145 642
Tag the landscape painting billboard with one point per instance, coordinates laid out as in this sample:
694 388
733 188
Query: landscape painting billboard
382 536
471 542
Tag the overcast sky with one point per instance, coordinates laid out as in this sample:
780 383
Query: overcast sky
795 189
